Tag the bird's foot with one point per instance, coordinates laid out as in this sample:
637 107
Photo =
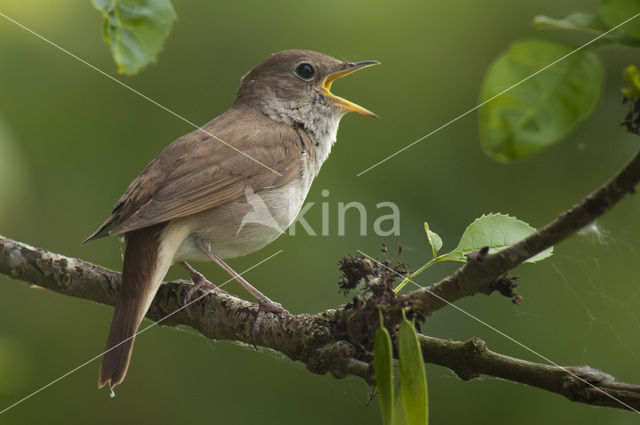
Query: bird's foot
266 305
199 282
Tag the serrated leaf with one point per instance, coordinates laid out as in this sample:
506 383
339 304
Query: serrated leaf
614 12
434 239
413 379
135 30
497 231
543 109
383 366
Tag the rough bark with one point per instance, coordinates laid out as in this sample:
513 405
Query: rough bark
330 341
312 339
472 358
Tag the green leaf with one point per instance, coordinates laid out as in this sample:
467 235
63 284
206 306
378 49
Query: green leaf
434 240
614 12
543 109
436 243
413 379
398 418
497 231
585 21
632 75
383 362
135 30
453 256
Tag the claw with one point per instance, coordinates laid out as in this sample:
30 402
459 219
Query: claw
199 282
265 306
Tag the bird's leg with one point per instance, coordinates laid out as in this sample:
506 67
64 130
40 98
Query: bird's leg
199 282
265 303
263 300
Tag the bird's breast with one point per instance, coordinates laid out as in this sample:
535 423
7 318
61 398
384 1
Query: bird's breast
247 224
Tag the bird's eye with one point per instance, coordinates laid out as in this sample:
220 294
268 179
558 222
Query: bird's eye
305 71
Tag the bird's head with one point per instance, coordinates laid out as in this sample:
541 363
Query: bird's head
294 86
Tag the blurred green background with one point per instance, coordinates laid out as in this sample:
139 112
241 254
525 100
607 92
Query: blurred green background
71 140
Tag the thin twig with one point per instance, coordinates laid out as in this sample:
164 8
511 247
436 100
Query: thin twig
479 275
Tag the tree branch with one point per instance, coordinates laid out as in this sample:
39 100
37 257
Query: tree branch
331 341
313 339
482 273
472 358
218 315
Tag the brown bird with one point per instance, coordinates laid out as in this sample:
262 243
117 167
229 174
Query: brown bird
193 200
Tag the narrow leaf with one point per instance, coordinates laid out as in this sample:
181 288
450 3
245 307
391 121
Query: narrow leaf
135 30
413 379
383 362
542 109
399 418
497 231
434 240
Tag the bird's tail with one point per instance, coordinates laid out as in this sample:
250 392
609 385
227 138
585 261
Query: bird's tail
142 273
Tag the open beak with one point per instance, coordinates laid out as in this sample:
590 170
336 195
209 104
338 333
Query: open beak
346 70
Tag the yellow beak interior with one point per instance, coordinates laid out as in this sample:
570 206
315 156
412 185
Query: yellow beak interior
344 103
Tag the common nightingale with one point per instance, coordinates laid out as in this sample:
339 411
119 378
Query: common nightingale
189 202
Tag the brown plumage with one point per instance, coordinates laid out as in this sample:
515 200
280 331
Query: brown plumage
140 259
193 174
189 202
198 172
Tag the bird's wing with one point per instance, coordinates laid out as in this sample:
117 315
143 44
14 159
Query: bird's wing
197 172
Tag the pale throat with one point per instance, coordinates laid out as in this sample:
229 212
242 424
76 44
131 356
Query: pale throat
318 118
